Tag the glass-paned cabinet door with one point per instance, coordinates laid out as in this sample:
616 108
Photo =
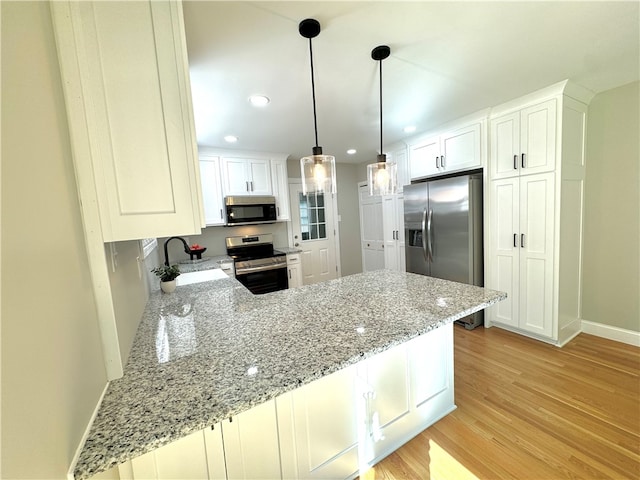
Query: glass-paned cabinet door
312 216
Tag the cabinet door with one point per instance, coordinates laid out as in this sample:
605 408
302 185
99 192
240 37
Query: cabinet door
504 257
259 176
389 227
280 188
538 138
183 459
431 365
402 266
251 444
424 158
461 149
129 107
504 155
235 176
388 403
295 270
212 196
319 433
215 453
401 159
536 253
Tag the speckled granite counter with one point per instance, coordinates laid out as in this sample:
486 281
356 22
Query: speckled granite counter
188 365
289 250
206 263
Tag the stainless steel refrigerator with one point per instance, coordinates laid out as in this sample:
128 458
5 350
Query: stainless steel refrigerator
443 231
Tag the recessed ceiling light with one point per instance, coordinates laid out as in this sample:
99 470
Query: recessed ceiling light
351 151
409 129
259 100
230 138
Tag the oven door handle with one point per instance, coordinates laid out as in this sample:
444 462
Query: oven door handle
260 269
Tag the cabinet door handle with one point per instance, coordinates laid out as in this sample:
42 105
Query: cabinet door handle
221 215
251 183
515 240
246 186
523 163
515 162
522 240
278 209
289 274
437 159
442 159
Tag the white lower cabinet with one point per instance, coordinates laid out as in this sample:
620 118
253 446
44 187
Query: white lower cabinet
294 270
335 427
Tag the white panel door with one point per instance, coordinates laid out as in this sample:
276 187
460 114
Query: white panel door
538 138
504 155
461 149
312 223
536 253
505 249
371 231
251 444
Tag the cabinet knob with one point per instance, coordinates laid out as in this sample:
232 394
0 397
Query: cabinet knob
296 244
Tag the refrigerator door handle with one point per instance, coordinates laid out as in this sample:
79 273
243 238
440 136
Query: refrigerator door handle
429 234
424 234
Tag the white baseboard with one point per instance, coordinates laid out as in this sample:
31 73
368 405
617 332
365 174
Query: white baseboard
85 435
612 333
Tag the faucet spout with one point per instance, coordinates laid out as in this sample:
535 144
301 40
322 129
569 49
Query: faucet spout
187 250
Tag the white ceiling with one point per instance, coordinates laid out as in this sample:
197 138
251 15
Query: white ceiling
448 59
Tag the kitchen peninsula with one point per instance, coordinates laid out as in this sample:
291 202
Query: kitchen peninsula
213 350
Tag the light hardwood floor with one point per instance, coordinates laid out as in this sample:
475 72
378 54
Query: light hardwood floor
529 410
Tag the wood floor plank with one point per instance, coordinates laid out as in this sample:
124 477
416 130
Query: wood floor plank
532 411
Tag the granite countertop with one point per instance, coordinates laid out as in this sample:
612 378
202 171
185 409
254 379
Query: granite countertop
289 250
213 350
206 263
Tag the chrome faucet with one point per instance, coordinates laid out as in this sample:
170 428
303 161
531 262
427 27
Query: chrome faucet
187 250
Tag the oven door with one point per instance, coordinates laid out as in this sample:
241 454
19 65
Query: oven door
267 279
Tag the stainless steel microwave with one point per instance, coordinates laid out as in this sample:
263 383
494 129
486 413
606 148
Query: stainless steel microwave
249 210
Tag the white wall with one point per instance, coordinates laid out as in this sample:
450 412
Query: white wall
348 209
611 262
52 364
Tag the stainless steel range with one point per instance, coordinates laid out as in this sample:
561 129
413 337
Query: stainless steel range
258 266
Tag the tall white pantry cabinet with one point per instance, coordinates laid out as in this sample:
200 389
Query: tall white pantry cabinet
535 201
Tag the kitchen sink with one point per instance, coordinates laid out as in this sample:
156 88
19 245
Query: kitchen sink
201 276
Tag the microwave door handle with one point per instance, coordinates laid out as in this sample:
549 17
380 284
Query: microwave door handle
424 234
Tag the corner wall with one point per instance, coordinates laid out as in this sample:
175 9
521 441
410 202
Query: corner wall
611 260
52 365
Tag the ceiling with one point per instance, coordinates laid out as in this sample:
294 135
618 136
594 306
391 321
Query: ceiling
448 59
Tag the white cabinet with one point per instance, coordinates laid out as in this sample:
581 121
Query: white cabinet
294 270
127 92
524 142
246 176
371 230
186 458
251 444
457 149
535 210
280 181
523 241
212 197
393 232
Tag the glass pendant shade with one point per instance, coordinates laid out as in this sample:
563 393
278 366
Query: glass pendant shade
318 173
382 177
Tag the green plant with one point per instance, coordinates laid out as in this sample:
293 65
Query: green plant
166 273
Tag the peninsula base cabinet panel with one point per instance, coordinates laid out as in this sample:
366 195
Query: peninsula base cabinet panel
330 428
128 99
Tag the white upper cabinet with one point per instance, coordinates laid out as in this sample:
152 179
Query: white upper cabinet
128 98
456 148
524 142
280 181
212 197
246 176
399 155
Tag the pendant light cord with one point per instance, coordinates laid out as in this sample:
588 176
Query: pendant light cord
313 94
381 107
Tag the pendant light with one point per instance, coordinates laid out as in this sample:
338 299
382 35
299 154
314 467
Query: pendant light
381 176
318 170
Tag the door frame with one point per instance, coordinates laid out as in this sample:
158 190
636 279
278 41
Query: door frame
336 225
